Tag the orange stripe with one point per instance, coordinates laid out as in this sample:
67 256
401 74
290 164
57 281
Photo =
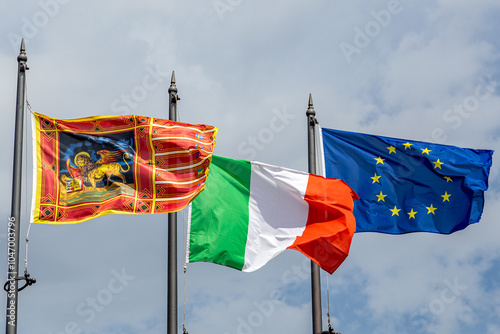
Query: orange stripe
330 223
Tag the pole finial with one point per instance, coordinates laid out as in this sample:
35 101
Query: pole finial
172 88
310 111
22 54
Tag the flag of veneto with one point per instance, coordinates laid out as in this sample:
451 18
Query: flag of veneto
89 167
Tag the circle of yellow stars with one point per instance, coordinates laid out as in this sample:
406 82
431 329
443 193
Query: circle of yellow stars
412 214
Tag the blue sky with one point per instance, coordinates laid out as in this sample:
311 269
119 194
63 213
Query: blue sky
420 70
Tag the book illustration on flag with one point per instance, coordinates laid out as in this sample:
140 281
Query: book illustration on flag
89 167
406 185
250 212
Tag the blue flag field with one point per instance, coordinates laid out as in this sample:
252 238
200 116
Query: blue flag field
408 186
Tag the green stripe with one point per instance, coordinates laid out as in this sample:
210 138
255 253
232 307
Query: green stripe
219 216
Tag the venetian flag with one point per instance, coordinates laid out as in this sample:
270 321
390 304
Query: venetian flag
407 185
250 212
89 167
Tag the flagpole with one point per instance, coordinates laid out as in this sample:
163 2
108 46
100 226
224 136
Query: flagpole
14 220
172 233
315 272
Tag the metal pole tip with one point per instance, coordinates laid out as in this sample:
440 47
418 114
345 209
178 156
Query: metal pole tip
22 58
173 89
310 111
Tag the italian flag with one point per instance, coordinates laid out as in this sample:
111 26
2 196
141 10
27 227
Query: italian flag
250 212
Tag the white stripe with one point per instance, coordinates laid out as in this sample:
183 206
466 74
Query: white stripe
321 158
185 182
179 152
184 138
176 152
188 235
277 212
34 166
183 127
186 167
176 198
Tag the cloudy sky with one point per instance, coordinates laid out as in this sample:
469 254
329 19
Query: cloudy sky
420 70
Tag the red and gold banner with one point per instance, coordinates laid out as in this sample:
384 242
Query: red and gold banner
89 167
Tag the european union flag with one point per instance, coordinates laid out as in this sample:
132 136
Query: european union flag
408 186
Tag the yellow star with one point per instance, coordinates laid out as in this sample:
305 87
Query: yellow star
379 160
395 211
391 149
446 196
448 179
430 209
381 197
407 145
412 214
437 164
375 178
425 151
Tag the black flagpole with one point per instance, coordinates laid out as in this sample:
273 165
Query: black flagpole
315 277
14 224
172 233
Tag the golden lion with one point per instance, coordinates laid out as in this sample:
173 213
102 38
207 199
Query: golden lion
93 172
110 169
